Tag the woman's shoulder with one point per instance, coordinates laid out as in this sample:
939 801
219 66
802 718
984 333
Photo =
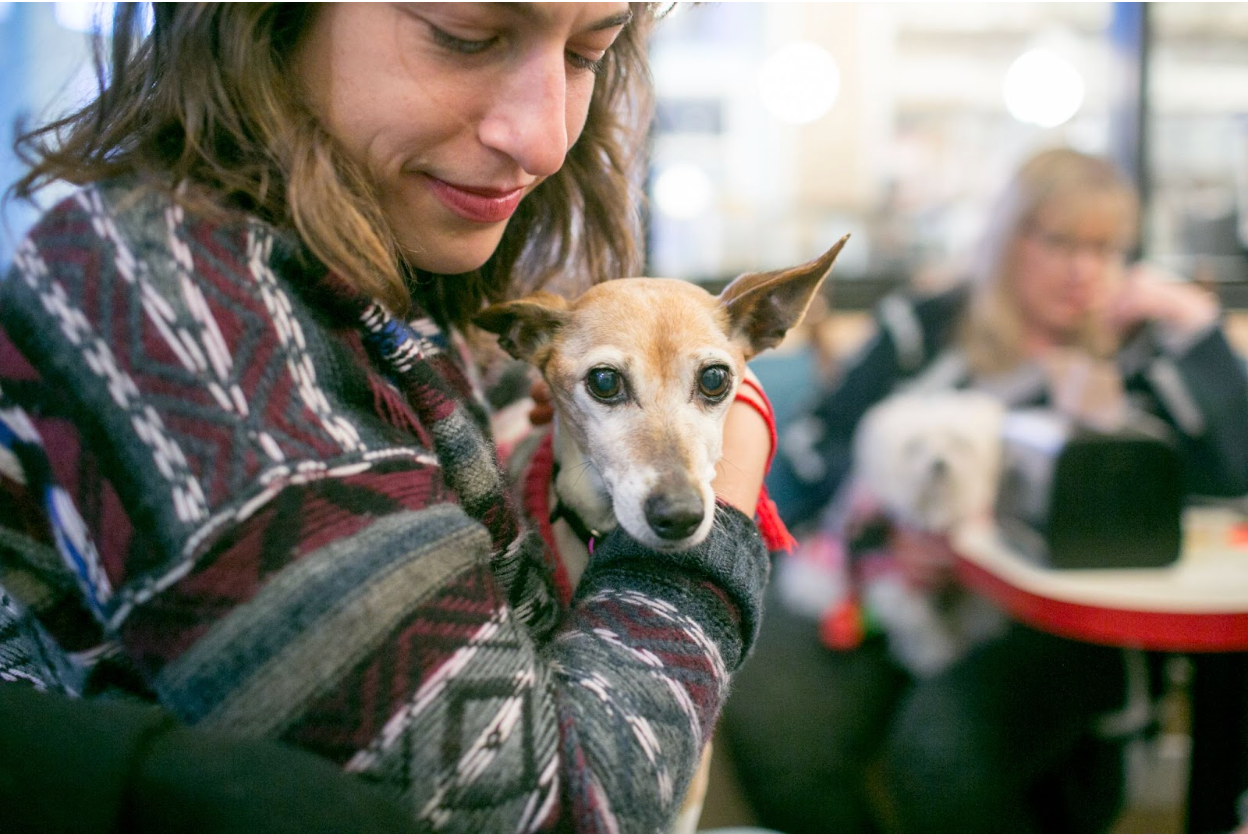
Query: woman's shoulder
146 235
142 216
928 304
919 321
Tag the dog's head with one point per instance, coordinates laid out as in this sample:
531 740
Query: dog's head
642 371
931 459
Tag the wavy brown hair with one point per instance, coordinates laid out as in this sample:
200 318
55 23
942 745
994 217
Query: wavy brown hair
204 100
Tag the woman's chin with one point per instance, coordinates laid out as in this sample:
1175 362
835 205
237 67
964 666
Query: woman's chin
460 254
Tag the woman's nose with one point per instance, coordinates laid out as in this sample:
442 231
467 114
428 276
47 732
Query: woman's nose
528 119
1088 265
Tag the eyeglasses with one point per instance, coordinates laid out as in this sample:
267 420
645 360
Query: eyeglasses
1067 246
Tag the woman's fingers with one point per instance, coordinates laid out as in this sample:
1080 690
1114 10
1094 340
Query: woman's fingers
543 411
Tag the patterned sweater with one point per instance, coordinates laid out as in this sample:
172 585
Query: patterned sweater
234 487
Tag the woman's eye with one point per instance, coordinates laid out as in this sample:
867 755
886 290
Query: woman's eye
464 46
605 384
584 62
714 382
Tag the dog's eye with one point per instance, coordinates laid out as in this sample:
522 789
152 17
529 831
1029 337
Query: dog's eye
605 384
714 382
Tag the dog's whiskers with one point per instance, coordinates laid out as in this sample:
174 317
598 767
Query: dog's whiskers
583 467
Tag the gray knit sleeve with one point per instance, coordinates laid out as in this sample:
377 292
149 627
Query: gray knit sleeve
732 560
643 665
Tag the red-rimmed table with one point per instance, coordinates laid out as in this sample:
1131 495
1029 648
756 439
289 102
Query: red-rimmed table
1198 605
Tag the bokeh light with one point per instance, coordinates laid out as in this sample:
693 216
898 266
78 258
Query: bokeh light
683 191
1042 88
799 83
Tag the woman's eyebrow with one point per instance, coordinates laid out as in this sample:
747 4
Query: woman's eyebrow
610 22
622 19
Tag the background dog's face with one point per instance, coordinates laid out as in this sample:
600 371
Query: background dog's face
642 372
932 460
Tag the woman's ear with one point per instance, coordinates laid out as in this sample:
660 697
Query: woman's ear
763 306
526 325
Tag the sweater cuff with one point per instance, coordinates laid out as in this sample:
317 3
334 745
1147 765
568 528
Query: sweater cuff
733 558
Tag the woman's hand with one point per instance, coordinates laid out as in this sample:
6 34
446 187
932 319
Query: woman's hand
747 448
926 559
543 411
1149 293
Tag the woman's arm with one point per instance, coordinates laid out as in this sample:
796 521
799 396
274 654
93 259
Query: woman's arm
121 765
1203 393
1194 378
332 594
747 449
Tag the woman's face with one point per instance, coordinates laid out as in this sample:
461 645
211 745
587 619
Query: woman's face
1067 262
456 110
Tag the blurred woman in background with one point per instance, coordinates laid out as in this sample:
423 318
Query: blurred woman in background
1012 737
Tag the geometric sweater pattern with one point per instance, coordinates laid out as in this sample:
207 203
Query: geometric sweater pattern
231 485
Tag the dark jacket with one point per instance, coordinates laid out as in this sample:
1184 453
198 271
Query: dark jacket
1201 393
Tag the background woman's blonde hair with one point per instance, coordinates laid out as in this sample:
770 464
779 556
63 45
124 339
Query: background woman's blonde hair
992 333
206 100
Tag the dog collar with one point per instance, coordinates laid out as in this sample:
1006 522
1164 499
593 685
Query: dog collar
583 531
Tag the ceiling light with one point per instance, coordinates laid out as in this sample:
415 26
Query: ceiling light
799 83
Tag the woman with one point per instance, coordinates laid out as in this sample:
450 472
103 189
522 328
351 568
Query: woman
249 477
1006 739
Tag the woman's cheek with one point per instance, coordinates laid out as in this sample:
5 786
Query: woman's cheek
578 109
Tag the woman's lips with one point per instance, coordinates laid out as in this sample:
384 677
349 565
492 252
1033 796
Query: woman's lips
480 205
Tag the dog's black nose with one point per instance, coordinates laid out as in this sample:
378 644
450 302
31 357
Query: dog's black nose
674 517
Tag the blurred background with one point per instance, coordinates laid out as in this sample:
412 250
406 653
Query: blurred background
781 126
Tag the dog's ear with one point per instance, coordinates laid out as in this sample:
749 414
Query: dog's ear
525 325
762 306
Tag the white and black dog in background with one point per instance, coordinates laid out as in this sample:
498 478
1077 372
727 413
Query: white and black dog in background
930 461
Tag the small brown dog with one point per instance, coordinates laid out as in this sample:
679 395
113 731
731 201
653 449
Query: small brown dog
641 373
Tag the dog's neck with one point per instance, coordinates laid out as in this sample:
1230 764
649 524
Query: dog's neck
580 498
579 485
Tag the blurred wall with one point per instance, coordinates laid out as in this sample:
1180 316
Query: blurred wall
46 67
917 137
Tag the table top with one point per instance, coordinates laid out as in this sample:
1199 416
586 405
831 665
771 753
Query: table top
1199 603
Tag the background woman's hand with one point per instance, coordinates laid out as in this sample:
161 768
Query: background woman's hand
1149 293
926 559
543 411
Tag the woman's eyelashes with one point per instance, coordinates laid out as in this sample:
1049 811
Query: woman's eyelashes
462 46
586 60
586 63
